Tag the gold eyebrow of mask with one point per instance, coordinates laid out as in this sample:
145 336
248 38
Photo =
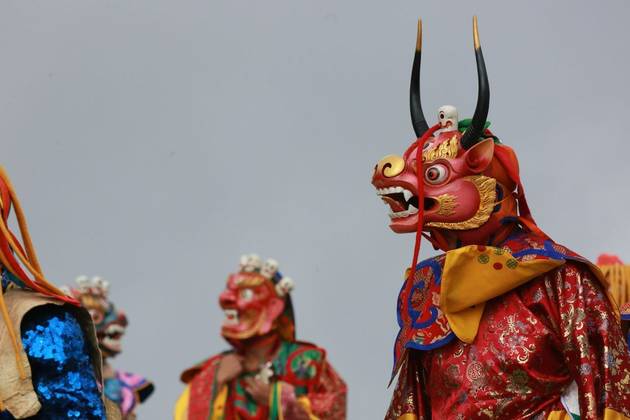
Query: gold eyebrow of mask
251 281
446 150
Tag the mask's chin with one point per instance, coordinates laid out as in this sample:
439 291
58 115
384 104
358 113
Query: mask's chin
241 326
408 224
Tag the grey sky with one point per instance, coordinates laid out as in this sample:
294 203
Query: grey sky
153 142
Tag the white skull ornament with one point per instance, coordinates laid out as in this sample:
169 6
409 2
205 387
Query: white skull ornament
269 268
284 286
447 116
250 263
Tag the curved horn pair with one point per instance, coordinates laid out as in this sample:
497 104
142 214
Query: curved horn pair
475 130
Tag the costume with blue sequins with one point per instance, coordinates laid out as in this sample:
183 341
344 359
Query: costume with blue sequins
63 375
50 365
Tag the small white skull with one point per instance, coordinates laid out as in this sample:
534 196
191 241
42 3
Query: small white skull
284 286
100 283
82 281
243 262
447 117
250 263
269 268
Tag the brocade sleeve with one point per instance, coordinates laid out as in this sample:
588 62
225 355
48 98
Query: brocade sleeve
408 402
324 400
593 344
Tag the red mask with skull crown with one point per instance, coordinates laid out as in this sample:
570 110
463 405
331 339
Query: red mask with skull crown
109 322
456 184
256 302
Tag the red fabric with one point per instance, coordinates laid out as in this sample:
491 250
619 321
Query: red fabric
291 408
532 343
201 386
420 186
326 391
506 156
608 259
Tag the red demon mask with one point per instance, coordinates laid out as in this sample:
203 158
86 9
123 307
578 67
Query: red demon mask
110 323
256 301
456 182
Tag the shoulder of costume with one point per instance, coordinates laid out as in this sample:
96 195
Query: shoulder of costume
519 259
436 259
50 334
23 301
529 247
306 345
189 374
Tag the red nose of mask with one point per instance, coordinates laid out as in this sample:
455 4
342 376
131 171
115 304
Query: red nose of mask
227 299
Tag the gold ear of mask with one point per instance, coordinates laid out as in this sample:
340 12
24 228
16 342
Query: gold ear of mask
486 187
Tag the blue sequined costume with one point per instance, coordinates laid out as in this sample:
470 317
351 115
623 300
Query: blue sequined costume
63 373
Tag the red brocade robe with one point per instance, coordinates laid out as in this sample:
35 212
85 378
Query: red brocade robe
304 386
524 330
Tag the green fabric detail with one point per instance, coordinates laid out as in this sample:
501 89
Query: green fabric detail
304 365
465 123
300 390
244 400
462 125
280 362
274 410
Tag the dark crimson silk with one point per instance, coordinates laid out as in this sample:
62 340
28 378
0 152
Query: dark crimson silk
533 342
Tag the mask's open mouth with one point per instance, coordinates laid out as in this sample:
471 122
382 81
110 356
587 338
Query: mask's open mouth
112 337
231 317
401 201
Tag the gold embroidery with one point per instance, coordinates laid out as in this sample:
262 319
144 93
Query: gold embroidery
527 350
590 402
517 382
447 204
486 187
446 150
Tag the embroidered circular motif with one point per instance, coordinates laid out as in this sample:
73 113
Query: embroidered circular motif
499 251
483 259
419 297
497 266
303 364
511 263
474 371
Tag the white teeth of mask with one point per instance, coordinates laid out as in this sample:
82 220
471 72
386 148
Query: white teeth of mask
396 215
407 196
231 317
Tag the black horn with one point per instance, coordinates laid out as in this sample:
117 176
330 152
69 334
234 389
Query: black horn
475 130
418 121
